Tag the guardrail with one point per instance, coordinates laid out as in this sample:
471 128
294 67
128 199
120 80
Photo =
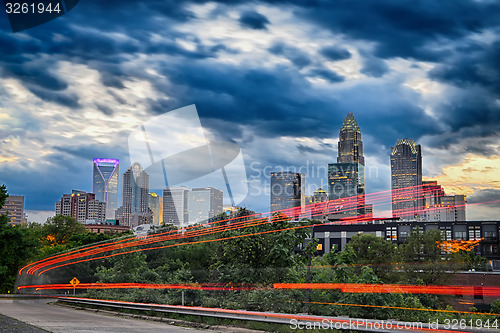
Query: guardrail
294 321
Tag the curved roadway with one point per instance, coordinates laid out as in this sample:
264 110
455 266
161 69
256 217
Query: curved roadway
39 313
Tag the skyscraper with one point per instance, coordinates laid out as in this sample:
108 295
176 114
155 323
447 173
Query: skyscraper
406 179
82 206
134 209
154 207
105 183
175 206
287 191
350 146
14 209
320 195
437 206
346 178
204 203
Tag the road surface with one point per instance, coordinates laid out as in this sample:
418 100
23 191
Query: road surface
39 313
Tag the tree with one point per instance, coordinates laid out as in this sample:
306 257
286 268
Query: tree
374 251
15 247
58 229
262 252
422 259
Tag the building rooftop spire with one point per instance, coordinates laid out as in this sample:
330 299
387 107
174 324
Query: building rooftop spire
350 146
350 123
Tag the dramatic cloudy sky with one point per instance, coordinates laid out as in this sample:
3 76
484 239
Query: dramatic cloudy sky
275 77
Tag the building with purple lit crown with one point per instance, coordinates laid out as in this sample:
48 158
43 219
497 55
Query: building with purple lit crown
105 183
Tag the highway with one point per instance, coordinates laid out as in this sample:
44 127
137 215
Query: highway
39 313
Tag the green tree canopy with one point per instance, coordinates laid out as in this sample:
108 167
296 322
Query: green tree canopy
58 229
15 247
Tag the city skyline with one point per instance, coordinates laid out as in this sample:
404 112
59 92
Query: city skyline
350 152
277 79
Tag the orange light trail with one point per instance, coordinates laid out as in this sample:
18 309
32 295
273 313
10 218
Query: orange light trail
394 288
402 308
181 235
243 224
187 286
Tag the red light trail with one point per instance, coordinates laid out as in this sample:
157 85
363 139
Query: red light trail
349 204
402 308
393 288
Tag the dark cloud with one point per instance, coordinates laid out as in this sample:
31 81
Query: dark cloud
399 29
61 98
295 55
373 66
35 74
273 100
335 53
327 75
483 204
105 109
253 20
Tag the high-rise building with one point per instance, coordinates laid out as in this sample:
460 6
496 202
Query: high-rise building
346 178
287 192
175 206
350 146
454 206
406 179
105 183
204 203
14 209
82 206
134 209
439 207
320 195
154 207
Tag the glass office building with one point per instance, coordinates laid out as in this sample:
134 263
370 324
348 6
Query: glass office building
346 178
287 192
406 179
105 183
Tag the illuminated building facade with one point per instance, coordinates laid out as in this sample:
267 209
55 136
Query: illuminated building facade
406 179
82 206
175 206
287 191
346 178
14 209
134 209
204 203
154 207
105 183
319 195
437 206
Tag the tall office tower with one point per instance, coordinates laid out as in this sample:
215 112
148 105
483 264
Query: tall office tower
406 179
350 147
154 207
287 192
105 183
346 178
14 209
134 209
82 206
204 203
175 206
